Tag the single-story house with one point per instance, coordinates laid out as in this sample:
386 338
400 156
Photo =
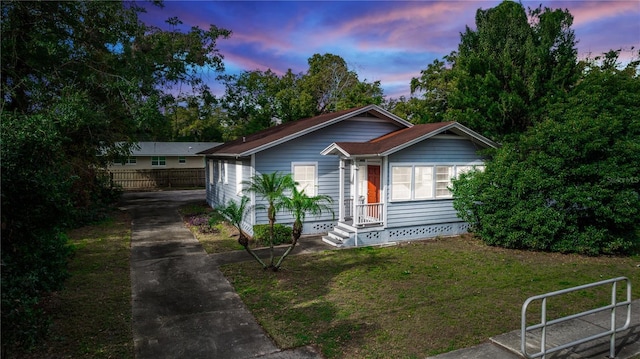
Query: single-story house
388 178
156 165
156 155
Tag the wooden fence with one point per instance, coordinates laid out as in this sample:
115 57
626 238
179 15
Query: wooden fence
157 178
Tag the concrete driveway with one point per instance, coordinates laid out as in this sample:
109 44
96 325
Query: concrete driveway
183 307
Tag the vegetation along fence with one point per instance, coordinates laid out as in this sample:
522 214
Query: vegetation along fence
157 178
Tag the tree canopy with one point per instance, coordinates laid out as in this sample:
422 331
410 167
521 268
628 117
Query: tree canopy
77 78
504 72
255 100
572 182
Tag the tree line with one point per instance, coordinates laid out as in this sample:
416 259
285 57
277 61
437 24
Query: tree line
82 81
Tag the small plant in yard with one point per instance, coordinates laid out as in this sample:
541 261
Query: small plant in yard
210 228
203 223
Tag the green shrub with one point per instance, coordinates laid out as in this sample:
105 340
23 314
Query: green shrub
570 183
282 234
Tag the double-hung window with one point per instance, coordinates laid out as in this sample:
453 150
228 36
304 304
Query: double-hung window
239 171
401 183
423 188
304 174
158 161
211 171
444 174
223 175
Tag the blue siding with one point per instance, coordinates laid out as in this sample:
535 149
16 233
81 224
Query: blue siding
307 149
220 193
439 150
432 151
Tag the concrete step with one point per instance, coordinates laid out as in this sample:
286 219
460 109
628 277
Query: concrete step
332 241
343 232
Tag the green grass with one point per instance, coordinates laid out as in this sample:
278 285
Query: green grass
416 299
92 315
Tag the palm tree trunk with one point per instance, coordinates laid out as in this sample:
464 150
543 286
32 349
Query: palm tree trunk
272 221
295 235
244 241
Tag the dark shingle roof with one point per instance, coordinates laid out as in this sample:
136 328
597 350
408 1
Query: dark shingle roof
272 136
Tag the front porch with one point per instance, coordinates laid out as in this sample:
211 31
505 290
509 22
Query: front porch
361 179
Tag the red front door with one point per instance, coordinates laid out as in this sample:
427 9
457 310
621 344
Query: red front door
373 184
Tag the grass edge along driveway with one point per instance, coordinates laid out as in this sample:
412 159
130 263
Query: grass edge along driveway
91 316
416 299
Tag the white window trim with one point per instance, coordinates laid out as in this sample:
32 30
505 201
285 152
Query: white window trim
434 178
226 172
315 178
210 171
182 160
239 170
159 165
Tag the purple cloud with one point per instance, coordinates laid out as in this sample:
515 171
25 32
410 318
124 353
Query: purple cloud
390 41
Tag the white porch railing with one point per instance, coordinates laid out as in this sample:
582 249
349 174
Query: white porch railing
368 214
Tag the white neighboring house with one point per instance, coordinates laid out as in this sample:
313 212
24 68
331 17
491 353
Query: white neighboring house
157 165
164 155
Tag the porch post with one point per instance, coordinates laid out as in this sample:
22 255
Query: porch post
356 192
341 191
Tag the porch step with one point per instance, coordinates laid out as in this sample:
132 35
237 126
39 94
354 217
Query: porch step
332 241
338 236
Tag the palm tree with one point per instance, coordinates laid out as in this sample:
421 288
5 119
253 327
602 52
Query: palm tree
299 204
235 213
271 187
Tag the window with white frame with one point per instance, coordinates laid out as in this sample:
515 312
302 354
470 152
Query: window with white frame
239 177
420 182
444 174
158 161
182 160
211 171
401 183
423 188
304 174
127 161
223 172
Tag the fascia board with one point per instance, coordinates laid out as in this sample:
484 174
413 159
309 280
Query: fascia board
334 147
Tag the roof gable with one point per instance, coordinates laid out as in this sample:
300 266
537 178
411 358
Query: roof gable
282 133
403 138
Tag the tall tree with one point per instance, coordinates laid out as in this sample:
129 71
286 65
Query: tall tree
510 67
77 77
334 86
255 100
432 90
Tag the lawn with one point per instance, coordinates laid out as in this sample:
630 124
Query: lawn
91 316
416 299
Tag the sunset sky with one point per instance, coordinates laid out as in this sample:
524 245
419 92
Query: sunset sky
389 41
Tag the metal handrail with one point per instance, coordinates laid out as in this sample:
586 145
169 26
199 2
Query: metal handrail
544 323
